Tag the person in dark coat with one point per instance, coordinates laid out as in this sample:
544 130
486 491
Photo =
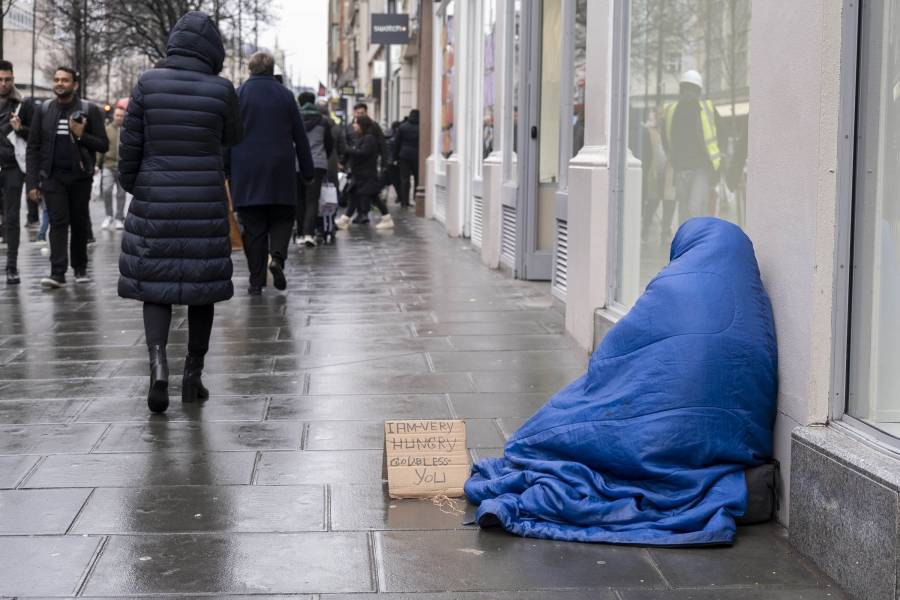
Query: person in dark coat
176 249
262 170
321 145
15 115
406 154
364 153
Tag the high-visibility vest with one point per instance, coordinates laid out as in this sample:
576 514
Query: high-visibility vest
707 122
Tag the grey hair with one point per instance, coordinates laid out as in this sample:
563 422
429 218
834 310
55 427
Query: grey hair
261 63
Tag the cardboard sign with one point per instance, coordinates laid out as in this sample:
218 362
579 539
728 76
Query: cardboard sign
425 458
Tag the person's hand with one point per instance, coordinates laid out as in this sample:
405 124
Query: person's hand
15 122
35 195
76 128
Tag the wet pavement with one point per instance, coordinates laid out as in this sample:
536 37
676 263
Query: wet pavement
274 487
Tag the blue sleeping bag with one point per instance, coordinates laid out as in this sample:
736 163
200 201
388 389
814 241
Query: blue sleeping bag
650 445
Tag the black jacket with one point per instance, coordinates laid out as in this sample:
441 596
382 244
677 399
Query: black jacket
42 140
176 249
364 154
7 152
406 142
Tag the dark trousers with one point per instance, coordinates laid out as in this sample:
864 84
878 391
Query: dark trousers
267 230
407 168
158 319
308 203
364 202
67 198
33 214
11 180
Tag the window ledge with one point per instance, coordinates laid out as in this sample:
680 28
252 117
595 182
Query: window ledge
843 444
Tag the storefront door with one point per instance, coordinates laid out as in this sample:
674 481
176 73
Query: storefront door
539 122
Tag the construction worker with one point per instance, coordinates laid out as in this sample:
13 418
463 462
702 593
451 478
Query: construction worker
692 147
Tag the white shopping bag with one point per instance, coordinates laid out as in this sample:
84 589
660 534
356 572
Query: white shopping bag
329 194
19 144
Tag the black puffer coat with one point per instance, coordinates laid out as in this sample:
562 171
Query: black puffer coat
176 248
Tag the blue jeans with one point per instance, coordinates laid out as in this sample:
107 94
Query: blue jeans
45 223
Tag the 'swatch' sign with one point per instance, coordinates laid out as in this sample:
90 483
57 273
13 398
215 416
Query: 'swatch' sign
390 29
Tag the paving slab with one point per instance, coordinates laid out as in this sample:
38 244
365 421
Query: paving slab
482 560
361 407
146 468
39 412
50 565
368 507
248 563
158 436
217 408
39 512
49 439
295 468
202 509
14 468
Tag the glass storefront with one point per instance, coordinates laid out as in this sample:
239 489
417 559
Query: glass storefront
448 83
489 39
687 121
579 61
511 173
874 379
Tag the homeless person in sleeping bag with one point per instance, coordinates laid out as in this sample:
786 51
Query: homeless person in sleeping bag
650 445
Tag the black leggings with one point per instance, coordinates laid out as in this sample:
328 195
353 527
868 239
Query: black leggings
158 318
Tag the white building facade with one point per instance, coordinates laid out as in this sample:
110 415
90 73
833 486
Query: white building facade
550 151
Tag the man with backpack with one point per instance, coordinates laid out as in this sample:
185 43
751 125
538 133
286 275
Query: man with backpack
66 135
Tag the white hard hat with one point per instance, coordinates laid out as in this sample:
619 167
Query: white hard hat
692 77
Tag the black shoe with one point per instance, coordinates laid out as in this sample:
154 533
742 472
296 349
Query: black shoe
158 395
53 282
82 277
254 290
12 276
192 388
276 268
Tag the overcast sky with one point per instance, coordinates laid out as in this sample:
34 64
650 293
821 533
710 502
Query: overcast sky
301 27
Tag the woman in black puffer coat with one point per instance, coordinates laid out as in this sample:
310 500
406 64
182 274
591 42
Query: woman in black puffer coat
176 248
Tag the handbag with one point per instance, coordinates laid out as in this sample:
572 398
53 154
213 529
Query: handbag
234 232
329 194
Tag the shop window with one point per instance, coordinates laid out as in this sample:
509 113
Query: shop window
686 121
448 81
511 174
579 60
489 37
874 379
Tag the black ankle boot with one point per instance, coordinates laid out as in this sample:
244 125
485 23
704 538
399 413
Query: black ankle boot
158 396
192 388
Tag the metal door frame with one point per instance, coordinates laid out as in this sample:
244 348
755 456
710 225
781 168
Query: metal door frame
531 263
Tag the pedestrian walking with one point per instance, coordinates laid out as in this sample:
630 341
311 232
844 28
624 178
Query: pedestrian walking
109 177
176 248
262 170
692 147
15 121
364 155
66 135
321 145
391 175
406 155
